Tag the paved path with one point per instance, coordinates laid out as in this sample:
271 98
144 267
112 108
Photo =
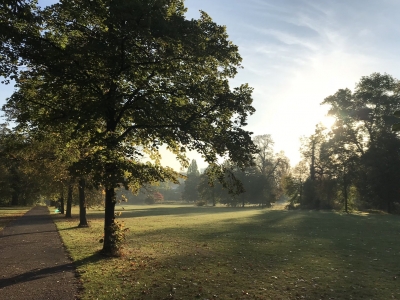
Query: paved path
33 262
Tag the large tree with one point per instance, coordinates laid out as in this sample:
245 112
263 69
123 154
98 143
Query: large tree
363 150
134 75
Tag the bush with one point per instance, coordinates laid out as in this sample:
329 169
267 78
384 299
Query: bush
150 200
201 203
154 198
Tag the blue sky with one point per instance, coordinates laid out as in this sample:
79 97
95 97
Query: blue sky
297 52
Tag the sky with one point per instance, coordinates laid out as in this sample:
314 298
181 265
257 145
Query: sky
295 54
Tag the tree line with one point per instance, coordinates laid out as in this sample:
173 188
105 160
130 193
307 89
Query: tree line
356 163
259 184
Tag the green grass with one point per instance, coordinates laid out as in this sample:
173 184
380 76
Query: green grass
8 214
183 252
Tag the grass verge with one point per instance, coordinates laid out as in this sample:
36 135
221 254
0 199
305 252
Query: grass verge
8 214
175 252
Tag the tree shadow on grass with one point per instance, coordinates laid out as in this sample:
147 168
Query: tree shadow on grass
298 254
168 211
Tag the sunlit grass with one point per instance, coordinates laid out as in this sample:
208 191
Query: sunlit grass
8 214
187 252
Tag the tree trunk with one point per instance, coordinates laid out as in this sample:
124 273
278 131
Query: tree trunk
312 166
345 194
301 193
62 202
213 196
69 200
15 186
110 244
82 203
14 198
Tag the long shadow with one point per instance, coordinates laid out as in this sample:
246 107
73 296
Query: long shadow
37 219
41 273
335 246
2 235
168 211
35 275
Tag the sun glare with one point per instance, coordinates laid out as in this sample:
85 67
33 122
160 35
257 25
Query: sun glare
328 121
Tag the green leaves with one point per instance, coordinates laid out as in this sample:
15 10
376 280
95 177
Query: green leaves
396 127
119 79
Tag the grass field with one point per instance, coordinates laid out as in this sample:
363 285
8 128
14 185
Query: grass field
8 214
187 252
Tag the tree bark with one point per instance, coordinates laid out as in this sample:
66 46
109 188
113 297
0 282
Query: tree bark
69 200
15 182
110 245
14 198
82 203
345 194
62 202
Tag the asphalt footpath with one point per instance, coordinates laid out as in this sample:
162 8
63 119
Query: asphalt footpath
33 261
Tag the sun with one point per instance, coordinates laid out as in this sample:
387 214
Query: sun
328 121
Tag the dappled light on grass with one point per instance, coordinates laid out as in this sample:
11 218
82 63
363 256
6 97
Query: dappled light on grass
241 254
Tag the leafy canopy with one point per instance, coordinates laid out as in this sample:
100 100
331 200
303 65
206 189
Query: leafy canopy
134 75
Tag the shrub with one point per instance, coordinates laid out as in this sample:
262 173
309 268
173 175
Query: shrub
201 203
150 200
158 197
154 198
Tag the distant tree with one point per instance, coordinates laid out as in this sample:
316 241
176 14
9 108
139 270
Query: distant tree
190 192
293 183
313 154
270 168
158 197
265 154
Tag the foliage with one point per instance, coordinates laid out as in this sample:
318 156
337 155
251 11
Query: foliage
190 192
259 184
357 161
154 198
201 203
126 77
158 197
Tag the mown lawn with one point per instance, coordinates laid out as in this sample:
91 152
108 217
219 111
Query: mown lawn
187 252
8 214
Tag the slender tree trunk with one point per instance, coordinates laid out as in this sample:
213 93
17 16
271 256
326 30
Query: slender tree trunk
62 202
14 198
301 193
110 246
15 186
312 166
82 203
345 198
69 200
213 196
